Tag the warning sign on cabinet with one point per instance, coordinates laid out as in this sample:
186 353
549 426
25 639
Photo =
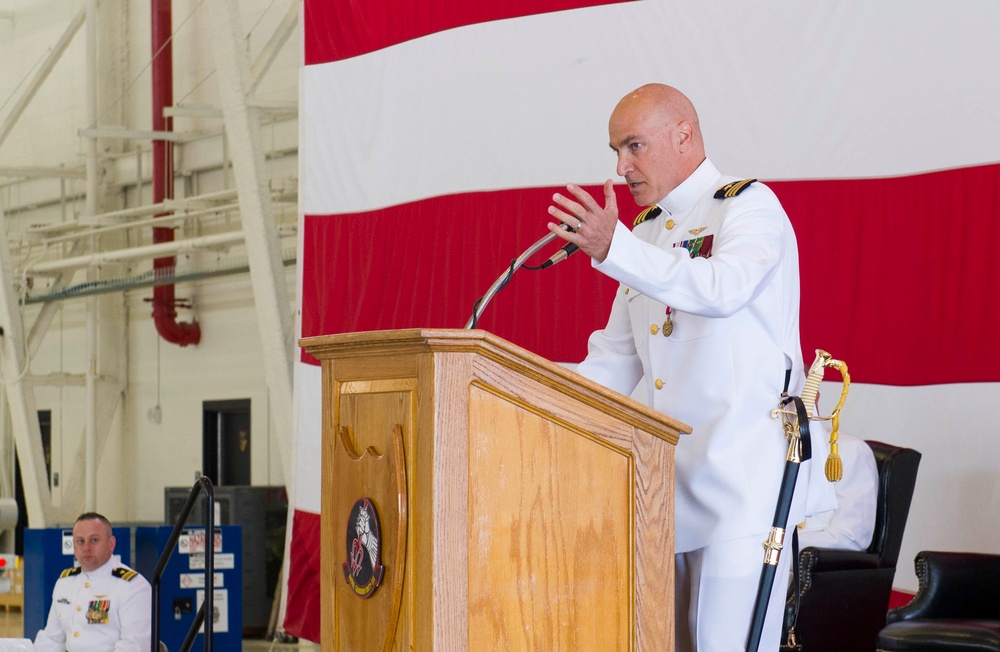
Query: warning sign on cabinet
220 611
193 541
197 580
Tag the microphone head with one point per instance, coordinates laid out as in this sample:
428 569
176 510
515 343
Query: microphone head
565 252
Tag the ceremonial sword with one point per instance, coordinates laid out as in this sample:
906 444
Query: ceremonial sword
795 425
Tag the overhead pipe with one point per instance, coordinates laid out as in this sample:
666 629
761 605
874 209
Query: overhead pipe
97 259
164 303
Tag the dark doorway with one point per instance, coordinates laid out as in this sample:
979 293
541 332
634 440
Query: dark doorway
226 441
45 429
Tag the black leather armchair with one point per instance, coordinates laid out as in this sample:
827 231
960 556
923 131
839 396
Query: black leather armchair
844 594
957 606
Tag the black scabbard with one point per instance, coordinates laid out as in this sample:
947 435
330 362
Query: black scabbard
772 546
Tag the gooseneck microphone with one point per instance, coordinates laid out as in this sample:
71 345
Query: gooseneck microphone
515 265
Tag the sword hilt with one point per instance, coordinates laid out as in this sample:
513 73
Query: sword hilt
813 378
834 465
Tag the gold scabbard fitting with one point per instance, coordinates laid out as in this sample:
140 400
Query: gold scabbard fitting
773 545
794 453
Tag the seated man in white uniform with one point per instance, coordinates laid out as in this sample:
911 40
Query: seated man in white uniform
850 526
100 605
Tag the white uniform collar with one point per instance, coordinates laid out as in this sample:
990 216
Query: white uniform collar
106 569
684 196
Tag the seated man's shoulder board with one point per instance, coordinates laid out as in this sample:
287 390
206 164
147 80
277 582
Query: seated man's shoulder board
649 214
733 188
124 573
70 572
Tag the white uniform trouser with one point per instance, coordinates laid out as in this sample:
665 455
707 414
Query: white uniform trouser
715 594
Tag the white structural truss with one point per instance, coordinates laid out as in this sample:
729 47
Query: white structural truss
107 249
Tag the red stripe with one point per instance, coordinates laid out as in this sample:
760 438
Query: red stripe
302 618
340 29
896 276
424 264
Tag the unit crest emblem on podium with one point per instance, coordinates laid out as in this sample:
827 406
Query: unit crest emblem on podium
363 569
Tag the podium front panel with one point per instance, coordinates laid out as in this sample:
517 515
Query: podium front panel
550 531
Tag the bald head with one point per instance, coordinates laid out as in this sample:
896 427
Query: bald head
656 134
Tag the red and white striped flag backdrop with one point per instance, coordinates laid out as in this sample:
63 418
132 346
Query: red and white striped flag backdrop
433 135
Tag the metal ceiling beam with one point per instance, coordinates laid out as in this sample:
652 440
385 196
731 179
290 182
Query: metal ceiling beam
17 350
270 50
41 172
274 314
126 283
40 77
21 397
135 134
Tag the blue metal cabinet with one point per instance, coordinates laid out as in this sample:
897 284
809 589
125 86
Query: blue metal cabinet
183 581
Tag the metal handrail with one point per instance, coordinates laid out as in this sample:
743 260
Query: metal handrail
204 483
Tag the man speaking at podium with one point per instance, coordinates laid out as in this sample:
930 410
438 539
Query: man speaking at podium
708 312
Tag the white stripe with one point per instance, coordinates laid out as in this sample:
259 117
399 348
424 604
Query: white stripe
308 438
958 487
794 91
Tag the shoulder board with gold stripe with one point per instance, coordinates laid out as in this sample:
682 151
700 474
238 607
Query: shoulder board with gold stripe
124 573
733 189
648 214
70 572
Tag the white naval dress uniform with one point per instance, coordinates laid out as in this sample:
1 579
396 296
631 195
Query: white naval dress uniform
734 313
851 525
108 609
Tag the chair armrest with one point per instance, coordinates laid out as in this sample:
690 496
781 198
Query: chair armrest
816 560
953 585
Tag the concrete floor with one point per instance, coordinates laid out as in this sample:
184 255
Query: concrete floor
12 626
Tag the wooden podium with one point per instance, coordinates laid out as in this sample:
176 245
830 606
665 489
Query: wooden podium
515 504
